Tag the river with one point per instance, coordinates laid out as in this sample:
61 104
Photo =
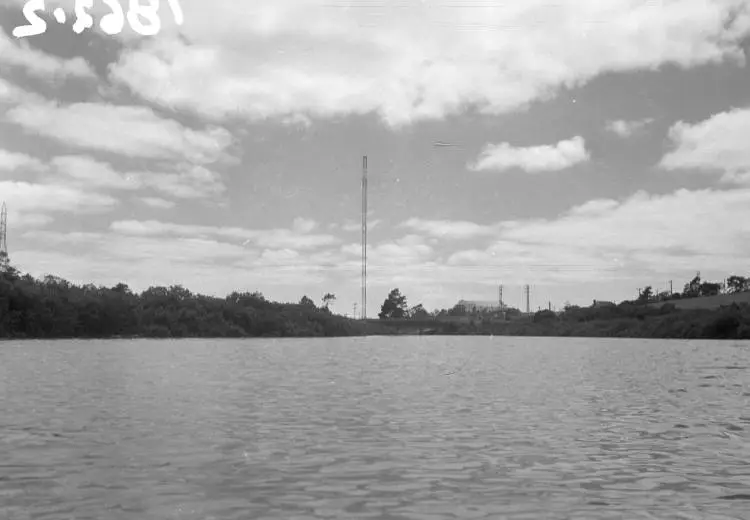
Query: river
423 428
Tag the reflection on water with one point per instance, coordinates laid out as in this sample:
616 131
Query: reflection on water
374 428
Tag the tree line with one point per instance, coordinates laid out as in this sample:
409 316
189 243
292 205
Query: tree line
52 307
696 288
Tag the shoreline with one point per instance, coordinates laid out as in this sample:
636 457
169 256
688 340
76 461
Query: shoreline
54 308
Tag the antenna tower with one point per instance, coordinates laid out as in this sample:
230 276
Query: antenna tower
364 237
3 238
527 290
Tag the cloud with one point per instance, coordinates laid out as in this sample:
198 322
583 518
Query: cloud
87 173
353 225
279 238
134 131
190 182
37 63
214 266
606 239
627 128
406 253
449 229
12 161
297 120
156 202
413 61
717 144
532 159
11 93
303 225
278 256
28 197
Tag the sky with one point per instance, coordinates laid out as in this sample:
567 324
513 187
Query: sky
585 148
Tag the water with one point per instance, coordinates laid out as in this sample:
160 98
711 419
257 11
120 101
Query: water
383 428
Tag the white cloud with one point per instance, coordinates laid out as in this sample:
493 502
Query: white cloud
297 120
406 253
450 229
415 61
191 182
11 93
278 256
13 161
28 220
532 159
627 128
87 173
353 225
718 144
188 182
202 265
606 239
156 202
37 63
27 197
280 238
303 225
134 131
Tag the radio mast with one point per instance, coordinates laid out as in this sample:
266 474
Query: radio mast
364 237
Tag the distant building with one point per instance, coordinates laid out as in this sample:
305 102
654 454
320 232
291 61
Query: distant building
601 303
478 306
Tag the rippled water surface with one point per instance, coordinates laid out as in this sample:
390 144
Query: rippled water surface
382 428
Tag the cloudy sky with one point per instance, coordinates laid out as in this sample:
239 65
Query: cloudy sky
595 147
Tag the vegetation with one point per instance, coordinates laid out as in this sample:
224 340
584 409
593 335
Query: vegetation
394 307
630 320
55 308
638 318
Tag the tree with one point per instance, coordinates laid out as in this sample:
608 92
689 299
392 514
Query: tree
709 288
457 310
737 283
646 294
394 307
307 302
121 288
693 288
328 299
418 312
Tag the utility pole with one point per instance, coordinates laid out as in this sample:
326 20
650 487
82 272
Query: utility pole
354 311
500 296
670 288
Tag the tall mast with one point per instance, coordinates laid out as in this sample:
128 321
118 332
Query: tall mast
364 237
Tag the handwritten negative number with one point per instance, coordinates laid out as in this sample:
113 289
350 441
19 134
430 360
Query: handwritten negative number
111 23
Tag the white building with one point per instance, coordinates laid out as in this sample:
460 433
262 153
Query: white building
478 305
